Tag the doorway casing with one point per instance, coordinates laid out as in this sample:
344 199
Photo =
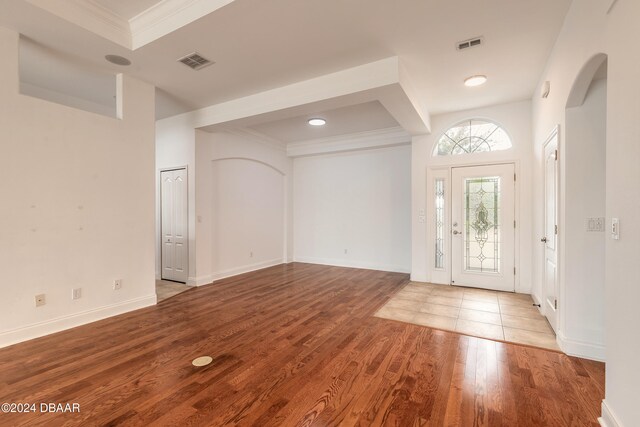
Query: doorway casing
444 275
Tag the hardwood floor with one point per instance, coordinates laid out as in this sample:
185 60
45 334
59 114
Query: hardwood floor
292 345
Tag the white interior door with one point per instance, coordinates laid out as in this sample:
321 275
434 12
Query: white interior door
175 260
550 238
483 227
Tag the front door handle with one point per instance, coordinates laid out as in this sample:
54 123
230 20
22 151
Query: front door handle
543 240
455 232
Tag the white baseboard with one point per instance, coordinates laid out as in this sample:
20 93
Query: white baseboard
200 280
353 264
582 349
193 281
608 419
72 320
419 278
209 278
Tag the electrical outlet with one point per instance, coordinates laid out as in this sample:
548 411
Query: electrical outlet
76 293
40 300
117 284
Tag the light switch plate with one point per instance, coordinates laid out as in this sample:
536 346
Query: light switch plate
594 224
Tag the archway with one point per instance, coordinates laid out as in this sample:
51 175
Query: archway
583 219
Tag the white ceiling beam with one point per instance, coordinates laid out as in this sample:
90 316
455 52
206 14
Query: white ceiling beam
356 141
380 80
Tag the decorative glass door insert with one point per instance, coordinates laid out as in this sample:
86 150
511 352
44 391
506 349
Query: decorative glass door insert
482 224
440 223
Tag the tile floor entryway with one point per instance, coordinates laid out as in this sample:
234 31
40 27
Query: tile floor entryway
487 314
166 289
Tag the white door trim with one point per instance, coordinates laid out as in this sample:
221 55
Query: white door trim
434 172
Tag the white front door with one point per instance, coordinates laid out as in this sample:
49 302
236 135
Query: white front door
483 227
175 262
550 238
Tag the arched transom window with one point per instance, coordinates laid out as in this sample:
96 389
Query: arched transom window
472 136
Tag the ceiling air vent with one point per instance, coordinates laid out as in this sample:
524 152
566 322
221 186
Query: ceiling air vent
195 61
477 41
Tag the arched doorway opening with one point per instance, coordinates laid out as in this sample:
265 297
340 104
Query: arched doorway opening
583 213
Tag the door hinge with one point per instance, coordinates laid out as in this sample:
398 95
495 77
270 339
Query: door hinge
556 154
514 224
514 271
555 304
514 177
556 230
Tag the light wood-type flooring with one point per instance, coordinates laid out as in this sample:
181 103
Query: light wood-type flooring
295 344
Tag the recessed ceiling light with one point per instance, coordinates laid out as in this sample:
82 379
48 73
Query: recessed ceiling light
117 59
317 122
475 81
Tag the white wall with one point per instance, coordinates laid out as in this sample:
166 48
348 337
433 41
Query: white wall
356 201
243 205
584 197
77 207
515 118
587 31
175 148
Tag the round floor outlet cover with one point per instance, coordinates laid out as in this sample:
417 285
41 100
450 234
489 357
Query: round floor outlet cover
202 361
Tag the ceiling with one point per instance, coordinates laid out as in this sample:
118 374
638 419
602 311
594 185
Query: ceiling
259 45
340 121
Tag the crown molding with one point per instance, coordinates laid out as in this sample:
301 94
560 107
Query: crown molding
351 142
167 16
104 14
91 16
159 20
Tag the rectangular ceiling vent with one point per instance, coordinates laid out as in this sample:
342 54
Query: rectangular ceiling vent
195 61
477 41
